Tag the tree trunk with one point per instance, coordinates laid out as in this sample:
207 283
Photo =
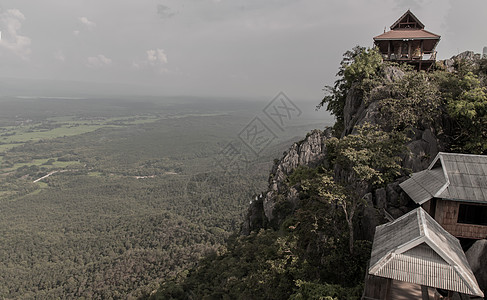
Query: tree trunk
350 238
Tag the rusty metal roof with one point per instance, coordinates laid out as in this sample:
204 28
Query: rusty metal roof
407 34
451 176
416 249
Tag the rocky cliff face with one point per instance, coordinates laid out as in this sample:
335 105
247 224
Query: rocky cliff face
309 152
382 203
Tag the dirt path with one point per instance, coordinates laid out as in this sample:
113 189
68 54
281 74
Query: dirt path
49 174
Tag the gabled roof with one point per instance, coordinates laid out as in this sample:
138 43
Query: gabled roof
415 248
403 19
451 176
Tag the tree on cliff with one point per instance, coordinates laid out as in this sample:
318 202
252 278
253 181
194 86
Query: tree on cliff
469 109
365 160
358 66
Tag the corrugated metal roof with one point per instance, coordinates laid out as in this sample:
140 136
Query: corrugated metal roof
423 185
407 34
416 249
464 179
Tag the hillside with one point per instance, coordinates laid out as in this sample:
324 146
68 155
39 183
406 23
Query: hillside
309 234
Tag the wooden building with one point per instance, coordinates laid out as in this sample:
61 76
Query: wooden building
453 190
408 42
414 249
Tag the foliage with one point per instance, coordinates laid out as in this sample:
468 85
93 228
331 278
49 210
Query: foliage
318 291
300 174
414 101
464 95
305 257
274 265
369 158
359 66
364 68
259 266
470 111
95 230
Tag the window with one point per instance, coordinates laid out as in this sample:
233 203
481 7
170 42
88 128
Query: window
472 214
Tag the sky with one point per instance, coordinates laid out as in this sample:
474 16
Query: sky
224 48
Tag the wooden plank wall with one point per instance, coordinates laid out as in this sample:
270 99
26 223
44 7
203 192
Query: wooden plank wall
447 216
376 288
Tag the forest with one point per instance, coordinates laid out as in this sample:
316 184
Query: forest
108 198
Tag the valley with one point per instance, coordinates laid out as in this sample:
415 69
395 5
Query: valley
108 198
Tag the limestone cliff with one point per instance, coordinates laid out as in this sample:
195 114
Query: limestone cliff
309 152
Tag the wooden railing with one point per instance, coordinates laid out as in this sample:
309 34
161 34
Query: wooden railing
399 57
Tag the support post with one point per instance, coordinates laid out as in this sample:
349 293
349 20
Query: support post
421 57
424 293
387 294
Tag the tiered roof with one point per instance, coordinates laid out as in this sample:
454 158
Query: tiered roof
407 27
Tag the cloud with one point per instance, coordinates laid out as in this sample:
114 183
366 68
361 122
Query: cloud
11 40
59 55
98 61
86 22
76 32
155 58
164 11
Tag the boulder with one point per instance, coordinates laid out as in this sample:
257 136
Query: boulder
370 219
477 258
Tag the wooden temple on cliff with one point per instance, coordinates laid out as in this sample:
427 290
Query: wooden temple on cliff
408 42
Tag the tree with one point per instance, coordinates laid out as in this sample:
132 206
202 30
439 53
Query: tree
365 160
469 109
359 66
414 101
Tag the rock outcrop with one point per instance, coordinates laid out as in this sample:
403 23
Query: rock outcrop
469 56
309 152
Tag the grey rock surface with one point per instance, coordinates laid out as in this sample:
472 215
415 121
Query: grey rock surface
477 258
309 152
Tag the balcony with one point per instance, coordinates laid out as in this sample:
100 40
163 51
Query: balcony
431 56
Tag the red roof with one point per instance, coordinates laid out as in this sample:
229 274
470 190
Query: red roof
407 34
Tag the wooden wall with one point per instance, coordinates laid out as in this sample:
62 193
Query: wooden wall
376 288
447 216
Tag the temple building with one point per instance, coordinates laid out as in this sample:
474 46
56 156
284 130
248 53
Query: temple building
408 42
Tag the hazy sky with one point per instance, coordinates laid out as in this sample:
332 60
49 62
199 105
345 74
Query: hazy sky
214 47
